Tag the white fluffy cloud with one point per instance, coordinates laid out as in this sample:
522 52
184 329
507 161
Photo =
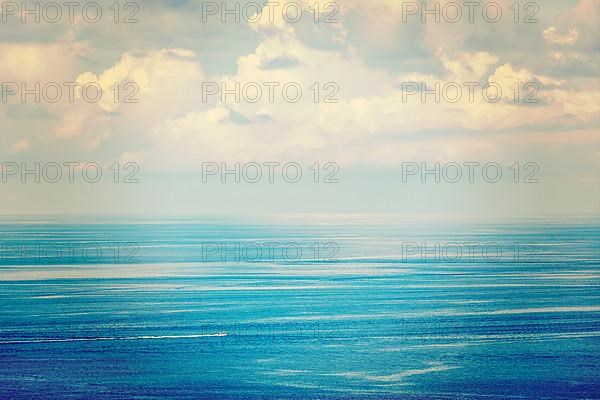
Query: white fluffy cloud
553 36
372 122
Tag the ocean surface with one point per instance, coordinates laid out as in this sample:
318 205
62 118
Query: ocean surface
357 309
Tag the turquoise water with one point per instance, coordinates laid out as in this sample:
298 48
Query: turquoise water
357 310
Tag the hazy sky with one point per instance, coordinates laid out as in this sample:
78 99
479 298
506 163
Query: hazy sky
362 62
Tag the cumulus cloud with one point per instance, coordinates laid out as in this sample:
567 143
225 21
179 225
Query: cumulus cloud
370 122
468 67
553 36
155 74
38 62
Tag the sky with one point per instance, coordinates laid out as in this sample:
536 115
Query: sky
361 114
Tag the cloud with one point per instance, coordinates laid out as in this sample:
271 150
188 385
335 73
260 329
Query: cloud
468 67
553 36
37 62
369 124
21 146
156 74
506 75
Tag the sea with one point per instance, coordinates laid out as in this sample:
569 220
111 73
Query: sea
299 308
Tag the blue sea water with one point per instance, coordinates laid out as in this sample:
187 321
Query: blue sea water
301 310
